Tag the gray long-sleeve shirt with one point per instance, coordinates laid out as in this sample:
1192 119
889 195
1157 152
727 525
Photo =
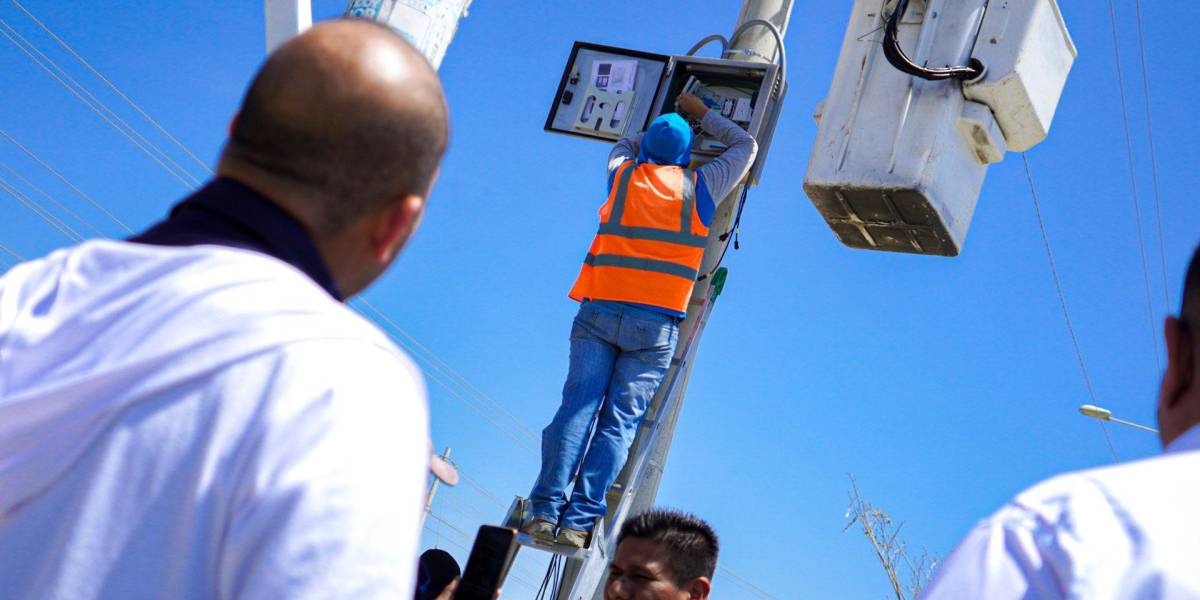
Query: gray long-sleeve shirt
719 176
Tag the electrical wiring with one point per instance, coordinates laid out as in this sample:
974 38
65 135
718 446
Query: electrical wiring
896 56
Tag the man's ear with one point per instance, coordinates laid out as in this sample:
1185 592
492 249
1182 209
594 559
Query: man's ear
698 588
1176 396
395 226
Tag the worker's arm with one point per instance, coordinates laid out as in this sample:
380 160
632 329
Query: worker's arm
725 171
625 149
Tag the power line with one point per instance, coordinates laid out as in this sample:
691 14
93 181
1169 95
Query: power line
1162 253
92 106
457 377
445 380
1137 205
8 251
41 212
175 166
1062 298
66 181
482 491
112 86
758 591
52 199
1108 439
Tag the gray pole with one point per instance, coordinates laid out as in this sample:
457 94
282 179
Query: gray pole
433 487
756 44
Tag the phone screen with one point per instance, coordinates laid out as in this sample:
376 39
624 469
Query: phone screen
488 564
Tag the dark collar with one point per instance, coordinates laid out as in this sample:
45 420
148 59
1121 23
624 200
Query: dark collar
227 213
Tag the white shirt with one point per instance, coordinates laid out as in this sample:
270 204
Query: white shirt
201 422
1129 531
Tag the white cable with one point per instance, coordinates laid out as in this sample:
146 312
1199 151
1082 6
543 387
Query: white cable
1137 205
42 213
445 370
774 32
75 93
11 253
113 87
63 179
52 199
100 103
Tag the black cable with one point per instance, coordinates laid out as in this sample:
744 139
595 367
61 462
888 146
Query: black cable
733 230
895 54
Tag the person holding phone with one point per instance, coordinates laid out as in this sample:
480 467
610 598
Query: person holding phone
633 289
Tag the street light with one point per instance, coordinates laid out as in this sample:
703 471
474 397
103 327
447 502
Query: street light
1104 414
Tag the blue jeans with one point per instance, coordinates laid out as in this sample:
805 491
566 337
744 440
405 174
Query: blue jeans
619 354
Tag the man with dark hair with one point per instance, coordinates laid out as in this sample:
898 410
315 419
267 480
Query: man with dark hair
194 413
663 555
1127 531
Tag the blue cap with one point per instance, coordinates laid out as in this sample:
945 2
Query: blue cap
668 141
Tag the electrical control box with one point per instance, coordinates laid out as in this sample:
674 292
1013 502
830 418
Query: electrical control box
606 93
899 161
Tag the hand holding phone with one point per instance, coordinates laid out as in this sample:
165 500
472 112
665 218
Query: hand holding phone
491 556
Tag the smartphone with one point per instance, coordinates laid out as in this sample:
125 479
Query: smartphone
491 556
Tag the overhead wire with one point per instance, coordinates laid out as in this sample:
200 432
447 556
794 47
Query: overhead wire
11 253
144 148
459 378
50 198
120 122
1162 252
41 212
746 583
112 86
1062 298
1137 206
452 381
67 182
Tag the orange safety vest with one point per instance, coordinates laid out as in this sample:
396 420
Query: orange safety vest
651 240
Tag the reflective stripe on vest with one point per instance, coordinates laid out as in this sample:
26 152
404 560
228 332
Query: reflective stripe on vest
641 264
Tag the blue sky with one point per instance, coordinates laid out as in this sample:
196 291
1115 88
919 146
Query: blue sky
944 385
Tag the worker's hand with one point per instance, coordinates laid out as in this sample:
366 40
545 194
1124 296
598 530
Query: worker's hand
691 106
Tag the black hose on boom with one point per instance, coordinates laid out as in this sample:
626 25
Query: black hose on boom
895 54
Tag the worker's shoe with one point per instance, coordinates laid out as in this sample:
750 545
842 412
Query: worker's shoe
572 537
540 529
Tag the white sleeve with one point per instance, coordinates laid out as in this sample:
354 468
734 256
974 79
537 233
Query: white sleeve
998 560
328 502
1064 538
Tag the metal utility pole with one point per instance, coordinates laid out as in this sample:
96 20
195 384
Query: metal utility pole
285 19
433 488
754 44
636 487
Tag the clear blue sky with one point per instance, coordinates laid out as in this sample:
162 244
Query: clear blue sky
944 385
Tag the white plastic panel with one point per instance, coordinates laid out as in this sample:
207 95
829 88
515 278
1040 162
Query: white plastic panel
1028 54
429 25
606 92
890 169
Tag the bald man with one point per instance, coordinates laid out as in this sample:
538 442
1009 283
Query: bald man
194 413
1124 532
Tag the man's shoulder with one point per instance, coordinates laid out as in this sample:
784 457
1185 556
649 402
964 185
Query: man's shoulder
1124 504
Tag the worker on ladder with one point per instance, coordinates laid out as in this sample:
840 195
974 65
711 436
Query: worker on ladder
634 289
